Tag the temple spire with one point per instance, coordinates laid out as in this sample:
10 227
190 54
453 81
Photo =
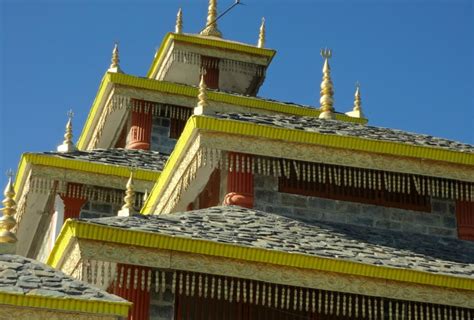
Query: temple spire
261 35
357 109
202 96
179 22
211 24
115 62
68 144
129 199
7 221
327 89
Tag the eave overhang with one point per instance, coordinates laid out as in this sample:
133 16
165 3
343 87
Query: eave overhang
252 130
75 230
268 54
113 79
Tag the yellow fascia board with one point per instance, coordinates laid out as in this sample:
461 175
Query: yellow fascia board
80 165
188 91
82 230
208 42
290 135
66 304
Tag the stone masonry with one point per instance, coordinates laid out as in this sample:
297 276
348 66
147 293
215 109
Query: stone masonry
441 221
97 209
162 303
160 136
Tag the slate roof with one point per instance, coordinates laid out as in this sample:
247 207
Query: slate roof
20 275
253 228
335 127
141 159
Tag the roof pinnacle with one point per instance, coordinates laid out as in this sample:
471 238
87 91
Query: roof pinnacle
68 144
211 24
357 109
115 62
179 22
327 89
7 221
261 35
202 96
129 199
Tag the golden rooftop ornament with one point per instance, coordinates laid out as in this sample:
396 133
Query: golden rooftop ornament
202 96
115 62
357 110
7 221
179 22
68 145
129 199
261 35
327 89
211 24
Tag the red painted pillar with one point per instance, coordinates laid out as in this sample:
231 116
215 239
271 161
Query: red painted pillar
140 129
134 286
73 201
465 219
239 181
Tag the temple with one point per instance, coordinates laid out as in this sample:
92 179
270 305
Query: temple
188 196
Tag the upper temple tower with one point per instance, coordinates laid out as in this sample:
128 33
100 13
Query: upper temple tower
227 65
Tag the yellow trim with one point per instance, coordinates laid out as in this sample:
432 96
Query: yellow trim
66 304
82 230
80 165
188 91
209 42
290 135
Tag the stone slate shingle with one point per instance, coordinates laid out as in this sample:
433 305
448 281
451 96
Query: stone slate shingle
341 128
253 228
20 275
140 159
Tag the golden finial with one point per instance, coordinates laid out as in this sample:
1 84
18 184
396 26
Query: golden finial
211 24
179 22
357 110
261 35
129 199
68 145
7 221
115 62
202 96
327 89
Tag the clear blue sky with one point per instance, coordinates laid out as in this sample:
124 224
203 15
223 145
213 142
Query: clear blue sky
414 59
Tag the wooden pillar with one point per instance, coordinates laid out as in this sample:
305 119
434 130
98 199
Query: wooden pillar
239 181
140 129
211 74
133 286
465 219
73 201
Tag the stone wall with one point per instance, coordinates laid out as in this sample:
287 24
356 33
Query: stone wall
97 209
160 136
162 303
441 221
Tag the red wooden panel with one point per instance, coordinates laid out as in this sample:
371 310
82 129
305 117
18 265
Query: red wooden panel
211 71
465 219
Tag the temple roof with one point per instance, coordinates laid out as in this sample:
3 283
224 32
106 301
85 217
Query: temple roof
26 278
349 129
238 226
140 159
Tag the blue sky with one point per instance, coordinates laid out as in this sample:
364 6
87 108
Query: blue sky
414 59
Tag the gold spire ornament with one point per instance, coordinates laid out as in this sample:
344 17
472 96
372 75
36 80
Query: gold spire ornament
327 88
357 110
115 62
211 24
261 35
68 145
129 199
7 221
179 22
202 96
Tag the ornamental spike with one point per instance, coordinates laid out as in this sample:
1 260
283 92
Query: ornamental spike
211 24
115 61
327 89
68 144
179 22
261 35
202 96
7 221
357 109
129 199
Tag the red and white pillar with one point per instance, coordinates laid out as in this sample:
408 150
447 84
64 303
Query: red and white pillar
239 181
73 201
140 130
